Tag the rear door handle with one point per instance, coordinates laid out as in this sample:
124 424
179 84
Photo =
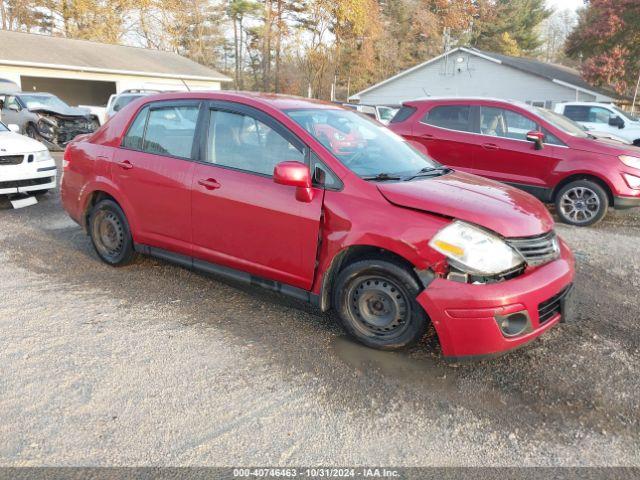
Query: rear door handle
490 146
209 183
125 164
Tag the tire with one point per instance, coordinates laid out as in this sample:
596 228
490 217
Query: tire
581 203
376 303
31 132
110 234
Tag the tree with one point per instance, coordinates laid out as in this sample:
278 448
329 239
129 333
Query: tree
607 40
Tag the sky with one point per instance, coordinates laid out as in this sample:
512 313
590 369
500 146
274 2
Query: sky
565 4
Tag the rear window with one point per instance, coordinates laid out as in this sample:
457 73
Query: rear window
451 117
403 114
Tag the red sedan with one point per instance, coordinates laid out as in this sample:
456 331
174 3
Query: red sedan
539 151
242 186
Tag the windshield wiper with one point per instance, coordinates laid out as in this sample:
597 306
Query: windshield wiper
381 177
429 172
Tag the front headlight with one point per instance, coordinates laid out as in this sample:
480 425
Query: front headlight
629 161
474 250
42 156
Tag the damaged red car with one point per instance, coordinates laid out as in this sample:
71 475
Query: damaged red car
249 187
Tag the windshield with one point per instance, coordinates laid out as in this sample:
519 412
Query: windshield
387 113
3 128
625 114
35 102
363 145
563 123
123 101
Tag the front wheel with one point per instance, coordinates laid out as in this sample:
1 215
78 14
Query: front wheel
582 203
110 233
376 303
32 132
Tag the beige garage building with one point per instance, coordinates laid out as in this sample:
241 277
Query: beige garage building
87 73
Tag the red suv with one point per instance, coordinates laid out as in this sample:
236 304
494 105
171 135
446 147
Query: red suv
242 186
531 148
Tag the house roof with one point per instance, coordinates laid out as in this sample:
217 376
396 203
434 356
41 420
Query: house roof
556 73
35 50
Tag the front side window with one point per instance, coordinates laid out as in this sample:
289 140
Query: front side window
245 143
362 145
500 122
12 102
451 117
170 130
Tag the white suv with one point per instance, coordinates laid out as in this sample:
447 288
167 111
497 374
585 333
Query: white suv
603 117
26 165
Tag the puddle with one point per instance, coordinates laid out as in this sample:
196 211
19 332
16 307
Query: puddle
393 366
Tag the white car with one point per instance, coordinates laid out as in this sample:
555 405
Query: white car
603 117
26 166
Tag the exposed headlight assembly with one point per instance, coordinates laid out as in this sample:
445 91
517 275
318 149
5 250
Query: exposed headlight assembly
42 156
474 250
629 161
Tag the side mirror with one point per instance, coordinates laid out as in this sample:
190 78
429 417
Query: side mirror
616 121
14 128
537 138
295 174
14 107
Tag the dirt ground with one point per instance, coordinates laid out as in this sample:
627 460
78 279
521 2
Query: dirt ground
155 365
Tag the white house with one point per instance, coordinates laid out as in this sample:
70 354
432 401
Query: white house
87 73
470 72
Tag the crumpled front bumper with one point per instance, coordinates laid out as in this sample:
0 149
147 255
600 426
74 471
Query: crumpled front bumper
464 315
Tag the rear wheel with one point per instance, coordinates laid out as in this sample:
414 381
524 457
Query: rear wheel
110 233
376 302
582 203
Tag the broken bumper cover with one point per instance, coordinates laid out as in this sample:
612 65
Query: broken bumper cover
469 319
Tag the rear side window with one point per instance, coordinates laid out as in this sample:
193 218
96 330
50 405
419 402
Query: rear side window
170 130
402 114
135 136
451 117
577 113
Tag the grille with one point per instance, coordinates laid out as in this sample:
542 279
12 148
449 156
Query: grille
550 308
26 183
537 250
11 159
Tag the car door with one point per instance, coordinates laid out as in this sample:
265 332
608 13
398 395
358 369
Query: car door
241 218
11 112
153 170
506 155
448 134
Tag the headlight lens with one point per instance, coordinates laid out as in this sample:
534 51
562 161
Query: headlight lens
629 161
474 250
632 180
42 156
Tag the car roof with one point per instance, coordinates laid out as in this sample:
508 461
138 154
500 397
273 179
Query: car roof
277 101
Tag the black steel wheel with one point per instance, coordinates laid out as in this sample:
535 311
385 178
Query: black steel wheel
376 302
110 233
32 132
582 203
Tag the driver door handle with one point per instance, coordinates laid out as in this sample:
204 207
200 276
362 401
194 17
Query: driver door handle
490 146
125 164
426 136
209 183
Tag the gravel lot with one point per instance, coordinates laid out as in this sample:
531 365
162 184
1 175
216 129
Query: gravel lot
156 365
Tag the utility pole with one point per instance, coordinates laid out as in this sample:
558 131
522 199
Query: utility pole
635 95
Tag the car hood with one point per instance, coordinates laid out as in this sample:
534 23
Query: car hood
604 146
503 209
14 144
64 112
